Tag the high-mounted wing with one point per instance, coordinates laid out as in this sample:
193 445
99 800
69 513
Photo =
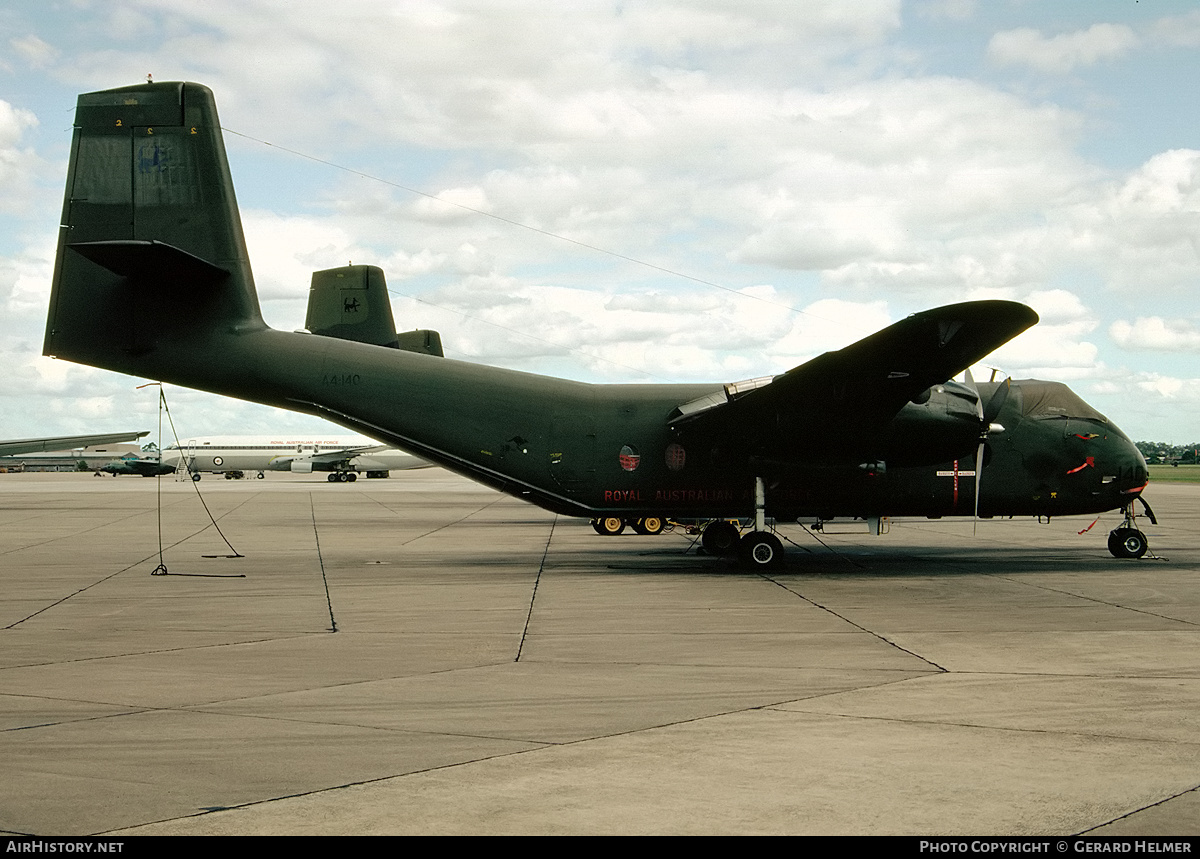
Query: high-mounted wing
841 402
66 442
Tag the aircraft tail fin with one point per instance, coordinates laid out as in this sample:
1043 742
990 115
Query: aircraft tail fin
150 244
422 340
351 303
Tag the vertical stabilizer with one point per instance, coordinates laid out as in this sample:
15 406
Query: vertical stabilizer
150 247
352 303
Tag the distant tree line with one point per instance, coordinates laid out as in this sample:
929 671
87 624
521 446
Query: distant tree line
1157 452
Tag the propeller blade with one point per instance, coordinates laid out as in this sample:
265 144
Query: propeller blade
996 403
978 483
987 425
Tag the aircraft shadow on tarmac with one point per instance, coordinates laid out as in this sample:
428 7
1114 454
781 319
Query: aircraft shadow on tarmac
973 555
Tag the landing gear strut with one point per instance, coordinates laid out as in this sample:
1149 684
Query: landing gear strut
1127 541
760 548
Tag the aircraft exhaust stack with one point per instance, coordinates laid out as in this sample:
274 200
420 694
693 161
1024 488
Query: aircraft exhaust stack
150 243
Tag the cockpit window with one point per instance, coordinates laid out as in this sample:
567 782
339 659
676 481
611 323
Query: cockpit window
1054 400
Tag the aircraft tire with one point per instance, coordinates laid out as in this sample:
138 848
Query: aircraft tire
610 526
649 525
196 477
351 476
260 475
1127 543
760 550
719 538
332 478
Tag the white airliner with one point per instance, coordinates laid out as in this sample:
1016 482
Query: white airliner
342 456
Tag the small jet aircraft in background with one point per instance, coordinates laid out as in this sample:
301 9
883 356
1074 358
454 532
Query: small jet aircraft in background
344 457
141 466
153 279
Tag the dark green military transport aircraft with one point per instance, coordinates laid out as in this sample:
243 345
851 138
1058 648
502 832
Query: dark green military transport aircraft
132 464
153 279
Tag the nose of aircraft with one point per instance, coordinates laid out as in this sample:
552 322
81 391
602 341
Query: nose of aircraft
1132 473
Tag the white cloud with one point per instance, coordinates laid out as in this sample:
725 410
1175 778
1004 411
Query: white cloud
1156 334
1058 346
1176 30
1150 391
35 52
1060 307
19 164
953 10
1065 52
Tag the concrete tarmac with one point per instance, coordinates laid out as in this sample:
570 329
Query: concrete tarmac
496 669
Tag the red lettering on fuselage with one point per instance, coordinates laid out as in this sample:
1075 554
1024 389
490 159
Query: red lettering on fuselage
620 495
673 496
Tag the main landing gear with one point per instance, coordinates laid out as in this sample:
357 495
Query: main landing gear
610 526
757 549
720 537
1127 541
760 548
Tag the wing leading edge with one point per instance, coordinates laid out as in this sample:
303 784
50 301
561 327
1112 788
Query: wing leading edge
65 442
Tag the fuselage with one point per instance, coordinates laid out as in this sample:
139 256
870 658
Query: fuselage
588 450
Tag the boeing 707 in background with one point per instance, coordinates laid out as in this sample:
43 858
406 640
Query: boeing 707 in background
344 457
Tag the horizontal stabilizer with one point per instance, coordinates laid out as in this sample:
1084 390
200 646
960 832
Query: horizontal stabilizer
149 260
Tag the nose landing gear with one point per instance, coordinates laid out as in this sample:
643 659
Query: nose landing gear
1127 541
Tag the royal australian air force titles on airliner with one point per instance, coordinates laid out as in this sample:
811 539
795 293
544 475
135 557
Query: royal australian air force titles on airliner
152 279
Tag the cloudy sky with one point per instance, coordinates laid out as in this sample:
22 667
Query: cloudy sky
642 191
